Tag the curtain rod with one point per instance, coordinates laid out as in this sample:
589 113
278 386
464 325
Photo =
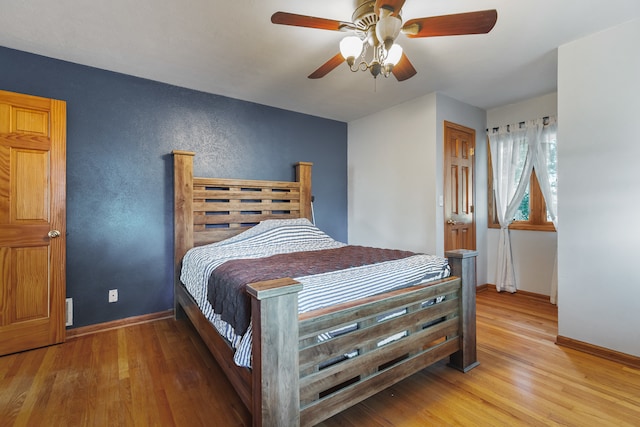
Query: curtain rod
545 121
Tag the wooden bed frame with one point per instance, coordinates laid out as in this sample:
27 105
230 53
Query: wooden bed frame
290 382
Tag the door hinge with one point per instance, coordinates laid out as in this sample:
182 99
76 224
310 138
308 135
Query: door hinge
472 151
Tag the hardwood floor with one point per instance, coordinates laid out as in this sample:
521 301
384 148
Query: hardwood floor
160 374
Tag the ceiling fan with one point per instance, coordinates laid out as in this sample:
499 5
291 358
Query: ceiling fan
376 24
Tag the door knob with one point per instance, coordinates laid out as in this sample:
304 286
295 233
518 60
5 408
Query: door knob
53 234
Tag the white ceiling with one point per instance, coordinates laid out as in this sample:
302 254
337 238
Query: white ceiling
231 48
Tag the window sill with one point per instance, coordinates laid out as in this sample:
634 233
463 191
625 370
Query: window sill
527 227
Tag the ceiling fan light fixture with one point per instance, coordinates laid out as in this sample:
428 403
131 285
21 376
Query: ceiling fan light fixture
388 28
351 48
393 55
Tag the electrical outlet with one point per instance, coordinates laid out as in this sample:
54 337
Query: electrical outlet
113 295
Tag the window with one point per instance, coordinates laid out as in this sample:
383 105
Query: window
532 213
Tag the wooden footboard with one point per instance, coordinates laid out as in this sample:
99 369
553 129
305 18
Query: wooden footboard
300 379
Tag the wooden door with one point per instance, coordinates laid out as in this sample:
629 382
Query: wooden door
32 221
459 185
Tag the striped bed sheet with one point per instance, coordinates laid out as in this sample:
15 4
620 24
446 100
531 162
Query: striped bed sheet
273 237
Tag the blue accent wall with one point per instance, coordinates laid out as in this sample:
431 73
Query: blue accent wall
120 133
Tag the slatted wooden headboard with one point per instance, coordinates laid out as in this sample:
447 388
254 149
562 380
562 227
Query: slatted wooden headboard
208 210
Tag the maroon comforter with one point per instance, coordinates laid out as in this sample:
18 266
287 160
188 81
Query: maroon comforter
226 290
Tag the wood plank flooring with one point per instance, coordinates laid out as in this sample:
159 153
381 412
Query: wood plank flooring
160 374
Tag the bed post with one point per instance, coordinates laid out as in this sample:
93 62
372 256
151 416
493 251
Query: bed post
182 211
303 176
463 265
274 316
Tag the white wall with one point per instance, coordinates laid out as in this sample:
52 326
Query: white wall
386 153
534 252
599 188
395 175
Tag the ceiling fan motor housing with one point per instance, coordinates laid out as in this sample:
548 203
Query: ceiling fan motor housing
365 19
374 29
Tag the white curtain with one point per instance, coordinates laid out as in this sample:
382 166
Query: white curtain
545 149
515 150
512 162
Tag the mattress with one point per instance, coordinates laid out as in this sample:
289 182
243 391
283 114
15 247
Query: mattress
274 237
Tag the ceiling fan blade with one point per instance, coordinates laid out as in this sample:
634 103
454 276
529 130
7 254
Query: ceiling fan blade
452 25
393 5
327 67
285 18
403 69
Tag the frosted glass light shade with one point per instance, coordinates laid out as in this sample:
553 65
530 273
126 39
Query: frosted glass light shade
387 29
394 55
350 47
